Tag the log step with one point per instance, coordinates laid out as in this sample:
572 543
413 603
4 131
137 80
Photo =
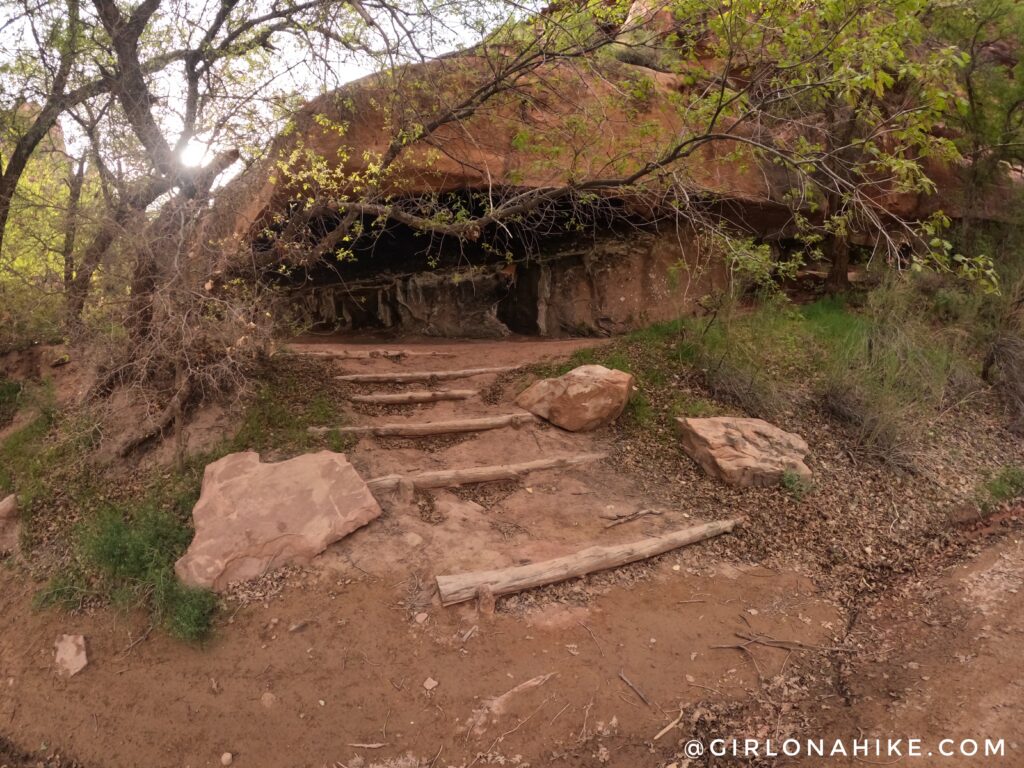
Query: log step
364 354
447 478
418 396
464 586
399 378
426 429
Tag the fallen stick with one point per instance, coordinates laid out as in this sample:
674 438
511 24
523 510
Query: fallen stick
419 396
670 726
637 691
446 478
428 428
458 588
788 645
630 518
399 378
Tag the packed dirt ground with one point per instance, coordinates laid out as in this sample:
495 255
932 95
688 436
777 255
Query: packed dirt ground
877 605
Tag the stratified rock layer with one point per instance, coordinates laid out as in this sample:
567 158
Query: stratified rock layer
744 452
585 398
252 517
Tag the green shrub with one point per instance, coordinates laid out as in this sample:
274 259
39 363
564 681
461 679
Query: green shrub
693 407
288 401
132 561
639 410
797 486
26 457
185 612
10 394
1005 485
888 369
132 551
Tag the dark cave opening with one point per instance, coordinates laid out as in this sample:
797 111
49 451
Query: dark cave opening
396 277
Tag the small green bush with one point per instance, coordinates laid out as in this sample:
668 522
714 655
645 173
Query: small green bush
10 393
25 456
133 559
887 369
639 410
1005 485
797 487
277 416
132 551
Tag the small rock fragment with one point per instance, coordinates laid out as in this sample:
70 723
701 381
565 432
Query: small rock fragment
421 617
227 758
71 657
430 683
268 700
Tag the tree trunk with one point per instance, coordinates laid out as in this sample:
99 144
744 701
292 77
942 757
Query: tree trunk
71 223
431 428
464 586
416 376
418 396
451 478
838 280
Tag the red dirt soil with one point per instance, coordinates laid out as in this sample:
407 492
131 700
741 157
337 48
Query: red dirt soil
339 655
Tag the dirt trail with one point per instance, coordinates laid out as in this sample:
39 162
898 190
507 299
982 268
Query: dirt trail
358 652
946 662
313 662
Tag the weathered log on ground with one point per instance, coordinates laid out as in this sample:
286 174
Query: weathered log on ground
363 354
428 428
399 378
447 478
419 396
460 587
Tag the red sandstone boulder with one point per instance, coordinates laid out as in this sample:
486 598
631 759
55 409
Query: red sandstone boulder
744 452
585 398
252 517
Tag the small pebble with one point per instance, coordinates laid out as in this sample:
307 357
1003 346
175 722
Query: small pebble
430 683
227 758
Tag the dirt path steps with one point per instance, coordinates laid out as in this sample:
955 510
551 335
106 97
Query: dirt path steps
310 665
542 483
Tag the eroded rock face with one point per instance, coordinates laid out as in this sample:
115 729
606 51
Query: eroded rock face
585 398
9 525
252 517
744 452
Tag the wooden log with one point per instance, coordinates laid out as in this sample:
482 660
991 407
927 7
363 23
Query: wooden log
447 478
401 377
460 587
428 428
419 396
364 354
